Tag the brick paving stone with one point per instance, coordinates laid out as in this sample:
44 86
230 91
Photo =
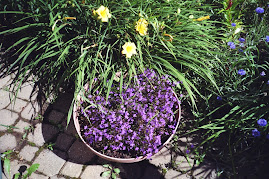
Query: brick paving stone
37 136
64 142
93 171
42 133
21 126
130 171
50 164
5 100
56 177
25 92
183 163
173 174
72 169
55 117
61 154
28 152
30 111
151 172
7 142
161 158
37 176
49 132
18 106
79 153
18 167
3 176
5 81
7 118
205 171
71 127
63 102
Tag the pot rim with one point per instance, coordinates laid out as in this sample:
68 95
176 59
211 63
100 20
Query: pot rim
123 160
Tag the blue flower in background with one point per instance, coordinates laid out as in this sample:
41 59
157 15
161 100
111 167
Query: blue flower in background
267 82
259 10
267 136
219 98
267 38
262 73
256 133
262 122
231 44
240 50
241 39
233 24
241 72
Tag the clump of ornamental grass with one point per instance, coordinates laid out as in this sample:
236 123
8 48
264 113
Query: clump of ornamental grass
72 42
132 122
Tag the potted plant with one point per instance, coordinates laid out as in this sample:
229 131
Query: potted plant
134 121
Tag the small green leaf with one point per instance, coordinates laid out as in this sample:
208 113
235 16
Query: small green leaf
106 174
114 176
30 170
117 170
106 165
7 166
17 175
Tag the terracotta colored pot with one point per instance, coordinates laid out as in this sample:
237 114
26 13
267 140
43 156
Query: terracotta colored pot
121 160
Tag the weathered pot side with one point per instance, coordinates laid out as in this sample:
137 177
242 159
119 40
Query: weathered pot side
121 160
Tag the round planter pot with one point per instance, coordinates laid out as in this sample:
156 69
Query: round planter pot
123 160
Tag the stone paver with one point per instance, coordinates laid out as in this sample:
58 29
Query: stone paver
55 117
28 152
161 158
21 125
205 171
64 141
38 176
30 111
50 164
79 153
4 82
7 142
49 132
183 163
72 169
151 172
25 92
18 167
5 100
93 171
63 102
173 174
7 118
18 106
70 128
56 177
3 176
37 136
42 133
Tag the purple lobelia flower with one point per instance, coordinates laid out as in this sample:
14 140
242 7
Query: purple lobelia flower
256 133
233 24
259 10
262 122
241 72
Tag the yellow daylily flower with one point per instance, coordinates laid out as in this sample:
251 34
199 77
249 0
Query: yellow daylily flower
141 26
103 13
203 18
129 49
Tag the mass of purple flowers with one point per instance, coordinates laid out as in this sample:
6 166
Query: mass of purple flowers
135 121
